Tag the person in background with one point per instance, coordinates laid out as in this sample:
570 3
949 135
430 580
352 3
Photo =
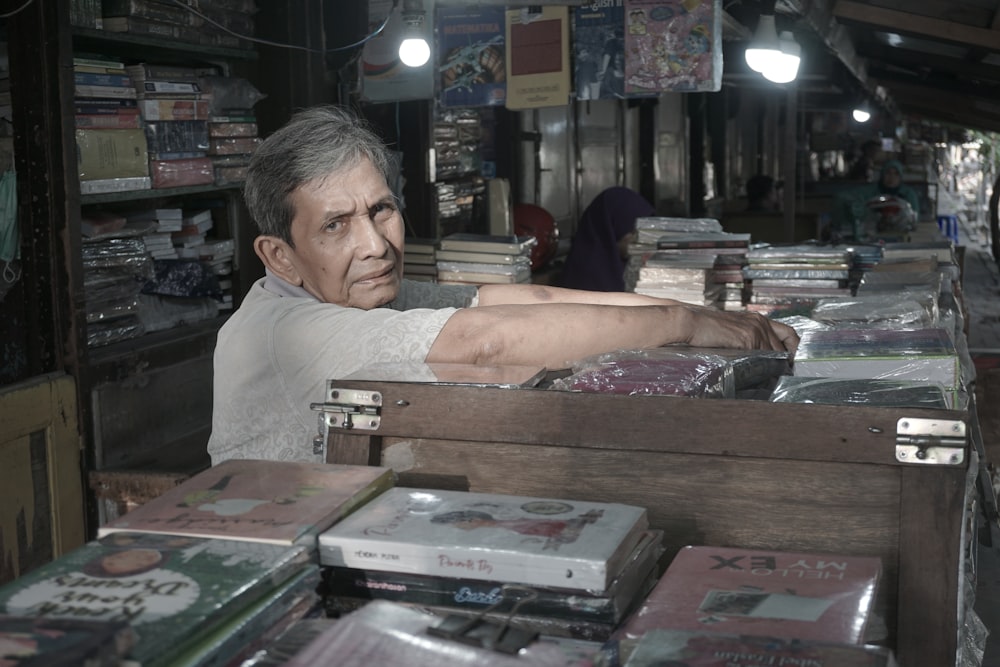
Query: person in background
333 299
863 168
851 206
599 251
762 194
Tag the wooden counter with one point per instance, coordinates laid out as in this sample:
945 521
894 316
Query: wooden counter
744 473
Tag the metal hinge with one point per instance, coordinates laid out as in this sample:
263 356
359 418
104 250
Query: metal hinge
931 441
350 409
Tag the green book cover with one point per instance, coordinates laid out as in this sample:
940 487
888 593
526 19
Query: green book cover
172 590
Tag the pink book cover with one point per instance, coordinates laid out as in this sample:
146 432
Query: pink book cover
824 597
279 502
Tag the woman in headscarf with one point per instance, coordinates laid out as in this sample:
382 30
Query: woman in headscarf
599 252
850 206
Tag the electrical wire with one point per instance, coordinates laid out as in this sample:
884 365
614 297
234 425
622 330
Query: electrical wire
307 49
17 11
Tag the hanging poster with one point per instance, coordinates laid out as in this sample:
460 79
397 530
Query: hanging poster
538 57
673 46
471 69
384 78
599 50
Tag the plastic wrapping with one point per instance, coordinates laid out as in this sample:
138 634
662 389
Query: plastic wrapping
117 252
232 130
179 173
884 309
873 392
183 278
177 136
659 372
103 310
233 145
158 313
230 92
122 328
925 355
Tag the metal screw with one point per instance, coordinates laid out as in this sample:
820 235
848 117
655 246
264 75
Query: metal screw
334 394
401 403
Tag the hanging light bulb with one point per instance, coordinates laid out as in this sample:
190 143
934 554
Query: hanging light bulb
783 67
764 46
862 112
414 51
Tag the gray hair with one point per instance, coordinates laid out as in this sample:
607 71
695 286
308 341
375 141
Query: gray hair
316 143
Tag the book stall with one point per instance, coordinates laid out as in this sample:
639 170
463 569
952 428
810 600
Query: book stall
887 466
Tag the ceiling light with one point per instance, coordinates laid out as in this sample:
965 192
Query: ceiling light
764 46
783 67
414 51
862 112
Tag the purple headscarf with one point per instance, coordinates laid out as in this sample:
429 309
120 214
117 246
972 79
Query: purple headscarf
594 262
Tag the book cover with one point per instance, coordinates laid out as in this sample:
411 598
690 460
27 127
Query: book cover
278 502
826 597
255 627
609 606
490 243
673 47
383 76
883 393
171 590
706 649
925 355
494 537
94 79
471 66
599 50
31 641
387 633
537 56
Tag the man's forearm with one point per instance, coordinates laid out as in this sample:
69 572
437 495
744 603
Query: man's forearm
496 295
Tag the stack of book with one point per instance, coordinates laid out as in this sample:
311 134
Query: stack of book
923 355
650 229
685 278
420 263
730 252
756 594
232 139
174 110
164 223
209 572
229 24
111 143
476 259
560 567
789 278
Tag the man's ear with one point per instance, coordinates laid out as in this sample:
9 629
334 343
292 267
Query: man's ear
276 256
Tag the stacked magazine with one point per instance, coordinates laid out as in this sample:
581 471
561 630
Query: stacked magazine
567 568
785 278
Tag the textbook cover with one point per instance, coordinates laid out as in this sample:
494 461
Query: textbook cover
27 641
538 68
471 69
278 502
171 590
493 537
826 597
599 50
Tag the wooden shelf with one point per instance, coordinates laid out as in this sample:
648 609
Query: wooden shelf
145 47
157 193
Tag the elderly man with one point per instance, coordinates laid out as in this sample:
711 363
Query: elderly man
331 240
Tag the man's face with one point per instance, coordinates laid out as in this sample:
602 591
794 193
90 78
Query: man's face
348 237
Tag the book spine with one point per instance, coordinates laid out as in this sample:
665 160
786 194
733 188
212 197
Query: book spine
170 87
89 78
93 90
90 106
111 121
98 62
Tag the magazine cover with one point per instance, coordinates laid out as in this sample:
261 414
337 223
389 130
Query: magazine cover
599 50
825 597
537 57
384 78
657 648
493 537
471 69
673 46
172 590
280 502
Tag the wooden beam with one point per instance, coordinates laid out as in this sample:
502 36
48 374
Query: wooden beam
913 24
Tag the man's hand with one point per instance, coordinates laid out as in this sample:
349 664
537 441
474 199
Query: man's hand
717 328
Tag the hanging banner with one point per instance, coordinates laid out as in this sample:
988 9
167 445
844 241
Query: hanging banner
384 78
673 46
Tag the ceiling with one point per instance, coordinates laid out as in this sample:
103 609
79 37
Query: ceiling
937 60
